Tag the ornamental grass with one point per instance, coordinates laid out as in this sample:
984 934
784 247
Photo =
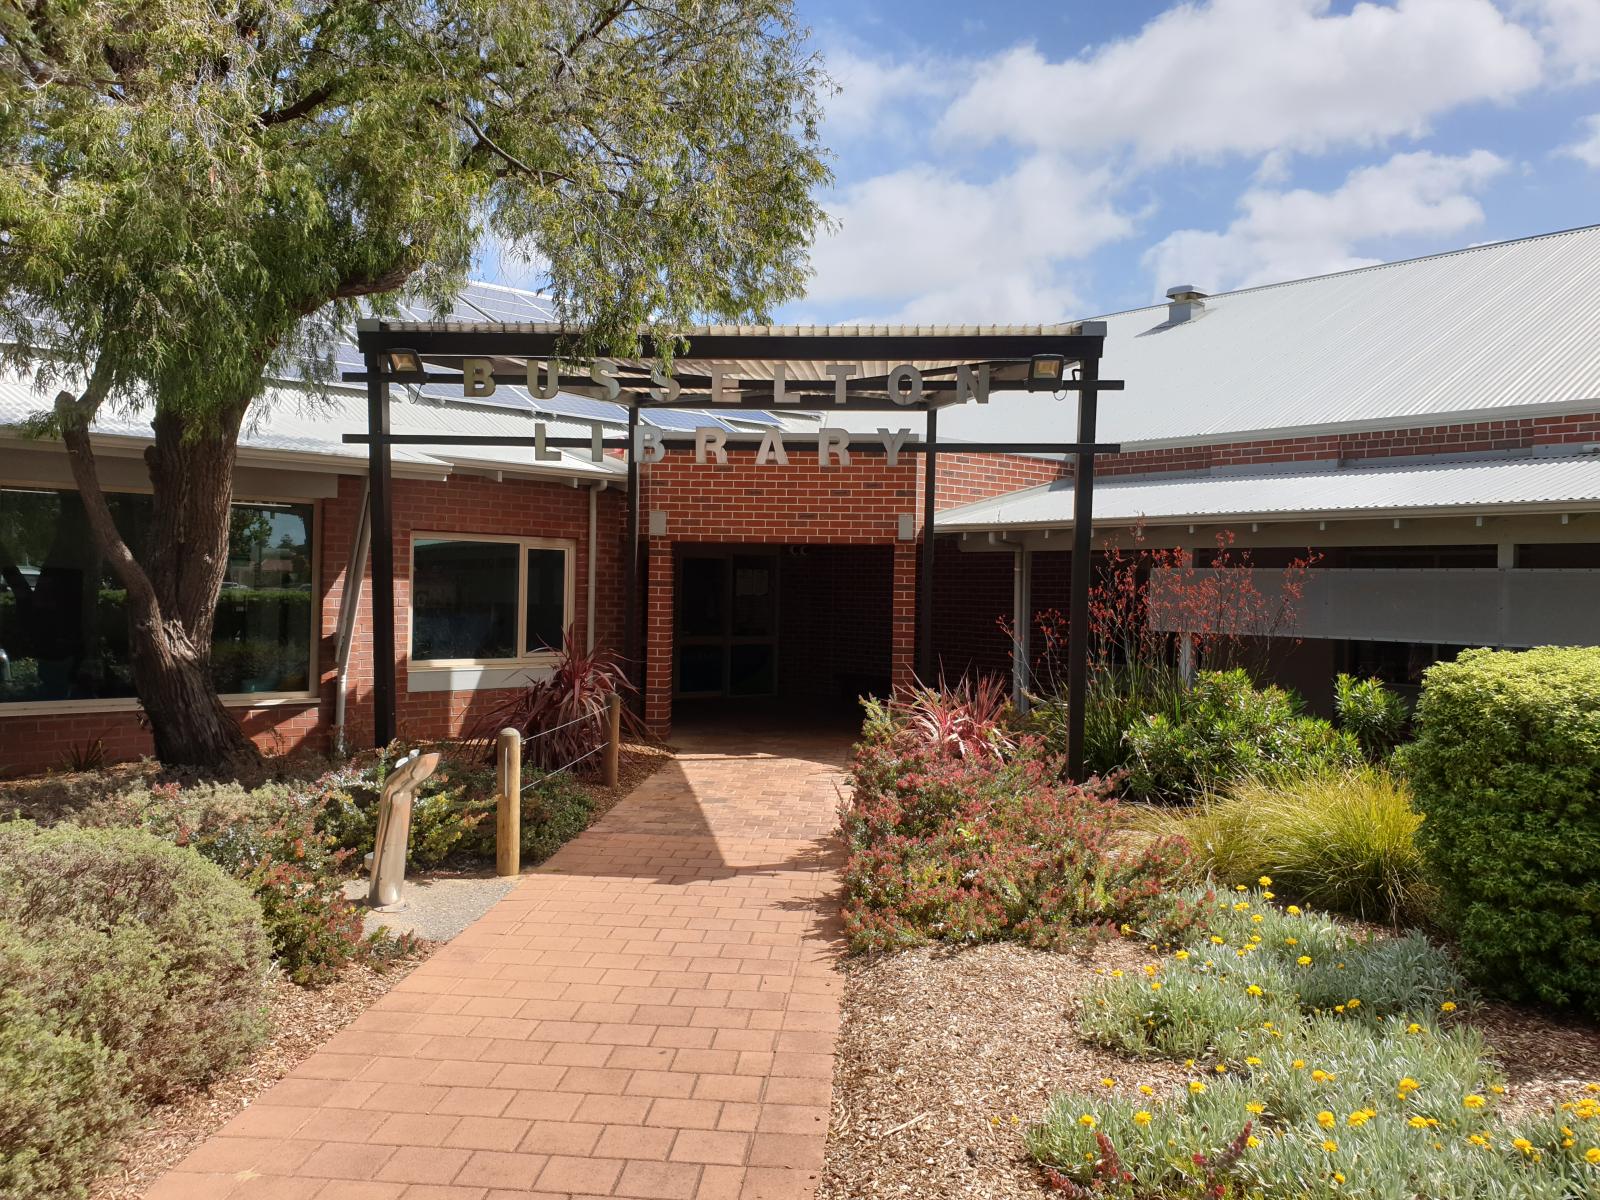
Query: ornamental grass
1343 840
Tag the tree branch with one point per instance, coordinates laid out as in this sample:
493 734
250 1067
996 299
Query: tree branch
315 98
74 413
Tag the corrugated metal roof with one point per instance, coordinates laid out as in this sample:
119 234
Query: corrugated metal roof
292 421
1422 489
1477 332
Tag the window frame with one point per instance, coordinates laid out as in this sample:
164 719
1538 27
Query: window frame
524 657
310 695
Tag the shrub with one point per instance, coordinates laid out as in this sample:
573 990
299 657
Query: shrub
62 1106
957 849
1226 729
1506 764
1375 715
960 720
135 943
1117 700
1342 840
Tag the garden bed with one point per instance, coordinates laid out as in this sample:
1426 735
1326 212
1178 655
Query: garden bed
940 1049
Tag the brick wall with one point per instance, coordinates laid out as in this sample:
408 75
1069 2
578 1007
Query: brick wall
36 742
1463 438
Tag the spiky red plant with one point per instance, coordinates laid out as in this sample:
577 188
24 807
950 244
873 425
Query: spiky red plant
562 719
960 720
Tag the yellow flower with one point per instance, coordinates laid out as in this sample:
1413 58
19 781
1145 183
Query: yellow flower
1255 1106
1257 918
1291 941
1146 1090
1352 1004
1155 986
1497 1089
1330 1145
1181 955
1149 969
1298 1064
1252 1141
1326 1119
1406 1086
1360 1117
1242 906
1015 1120
1221 1068
1322 1076
1523 1144
1338 1008
1196 1086
1293 910
1448 1006
1239 887
1473 1101
1252 1061
994 1120
1216 941
1265 881
1593 1154
1338 1176
1141 1117
1413 1028
1304 960
1253 989
1108 1082
1418 1122
1591 1087
1117 974
1086 1121
1477 1139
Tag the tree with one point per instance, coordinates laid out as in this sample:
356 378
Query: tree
195 192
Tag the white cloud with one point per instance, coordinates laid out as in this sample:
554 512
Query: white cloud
920 244
1587 148
875 92
1570 29
1292 234
1204 80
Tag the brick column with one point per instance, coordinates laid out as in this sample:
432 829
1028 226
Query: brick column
658 639
903 615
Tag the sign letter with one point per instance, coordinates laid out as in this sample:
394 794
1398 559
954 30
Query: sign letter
552 379
604 372
780 379
892 443
666 386
772 447
477 377
832 442
905 373
541 452
840 373
714 440
647 445
969 389
719 387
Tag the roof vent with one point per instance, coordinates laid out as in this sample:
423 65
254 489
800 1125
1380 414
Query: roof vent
1188 302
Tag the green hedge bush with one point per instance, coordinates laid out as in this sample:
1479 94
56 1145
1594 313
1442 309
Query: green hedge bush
1506 765
130 968
135 942
1224 728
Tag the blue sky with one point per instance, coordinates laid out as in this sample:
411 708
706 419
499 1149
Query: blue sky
1035 160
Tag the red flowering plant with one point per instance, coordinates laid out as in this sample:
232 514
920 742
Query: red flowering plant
946 848
1138 665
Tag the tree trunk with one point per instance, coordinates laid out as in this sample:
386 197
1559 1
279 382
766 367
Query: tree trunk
172 598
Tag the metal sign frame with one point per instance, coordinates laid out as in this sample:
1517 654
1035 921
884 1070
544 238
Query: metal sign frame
441 346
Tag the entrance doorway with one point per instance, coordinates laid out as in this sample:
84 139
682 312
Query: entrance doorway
726 624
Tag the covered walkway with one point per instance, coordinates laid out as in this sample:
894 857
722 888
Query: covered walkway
650 1014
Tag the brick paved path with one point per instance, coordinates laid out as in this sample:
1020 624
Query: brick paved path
651 1014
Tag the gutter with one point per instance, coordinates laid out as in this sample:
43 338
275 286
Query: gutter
349 602
588 600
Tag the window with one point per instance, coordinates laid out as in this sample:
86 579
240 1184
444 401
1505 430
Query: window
63 613
488 599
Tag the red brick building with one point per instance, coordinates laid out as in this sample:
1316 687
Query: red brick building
1431 428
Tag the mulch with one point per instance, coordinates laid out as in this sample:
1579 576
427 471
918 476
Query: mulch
946 1056
301 1020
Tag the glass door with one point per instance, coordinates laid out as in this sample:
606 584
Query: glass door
727 623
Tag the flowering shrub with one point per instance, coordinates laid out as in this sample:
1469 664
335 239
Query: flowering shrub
1379 1094
958 849
1506 763
960 720
1226 729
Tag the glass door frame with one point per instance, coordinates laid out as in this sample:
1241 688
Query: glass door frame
727 639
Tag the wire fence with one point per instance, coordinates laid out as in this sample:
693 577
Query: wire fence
590 753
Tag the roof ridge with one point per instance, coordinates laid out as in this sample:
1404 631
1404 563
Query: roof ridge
1381 266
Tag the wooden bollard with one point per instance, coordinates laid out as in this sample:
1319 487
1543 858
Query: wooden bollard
508 813
613 738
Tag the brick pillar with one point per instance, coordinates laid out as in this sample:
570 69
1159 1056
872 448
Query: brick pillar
903 615
658 640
